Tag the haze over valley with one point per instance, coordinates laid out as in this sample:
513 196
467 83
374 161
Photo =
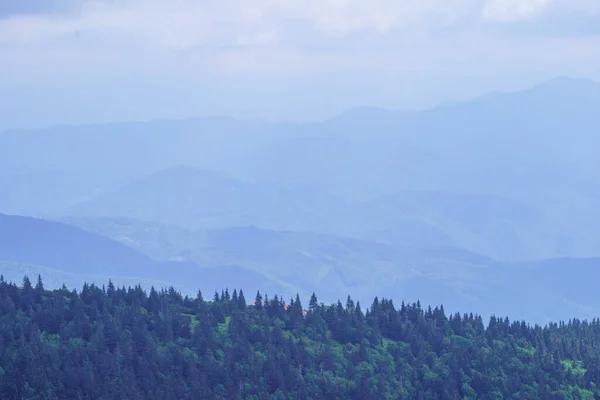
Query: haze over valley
470 204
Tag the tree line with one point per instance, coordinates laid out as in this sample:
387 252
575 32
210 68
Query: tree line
126 343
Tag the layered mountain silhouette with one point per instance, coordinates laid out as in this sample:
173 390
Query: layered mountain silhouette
507 178
302 262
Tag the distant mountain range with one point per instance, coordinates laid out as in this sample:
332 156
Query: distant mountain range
538 148
409 204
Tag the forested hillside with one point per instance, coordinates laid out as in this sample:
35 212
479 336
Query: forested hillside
117 343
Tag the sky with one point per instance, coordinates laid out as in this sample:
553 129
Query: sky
80 61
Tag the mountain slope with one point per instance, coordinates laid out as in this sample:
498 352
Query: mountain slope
196 198
501 228
179 195
52 244
62 250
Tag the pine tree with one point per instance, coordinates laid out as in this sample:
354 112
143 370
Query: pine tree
39 287
241 300
258 301
313 305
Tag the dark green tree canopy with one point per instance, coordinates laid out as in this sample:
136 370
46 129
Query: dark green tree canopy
125 343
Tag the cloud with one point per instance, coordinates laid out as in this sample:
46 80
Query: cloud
511 10
189 23
185 24
192 37
36 7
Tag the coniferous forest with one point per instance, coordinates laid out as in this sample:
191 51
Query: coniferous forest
125 343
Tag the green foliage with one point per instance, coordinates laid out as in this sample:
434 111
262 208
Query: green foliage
574 367
109 343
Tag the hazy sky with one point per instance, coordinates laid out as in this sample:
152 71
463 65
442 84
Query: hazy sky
102 60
